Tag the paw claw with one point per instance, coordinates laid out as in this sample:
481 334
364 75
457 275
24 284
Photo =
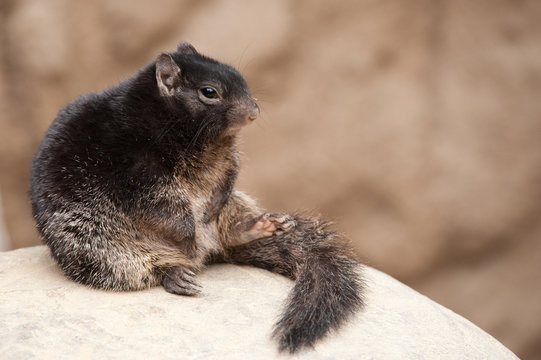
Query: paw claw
181 281
189 272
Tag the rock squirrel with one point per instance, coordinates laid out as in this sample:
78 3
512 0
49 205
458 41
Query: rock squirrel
133 187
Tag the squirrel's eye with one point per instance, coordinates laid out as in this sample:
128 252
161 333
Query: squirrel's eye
209 92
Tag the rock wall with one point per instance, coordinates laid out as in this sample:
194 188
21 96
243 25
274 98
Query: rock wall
415 126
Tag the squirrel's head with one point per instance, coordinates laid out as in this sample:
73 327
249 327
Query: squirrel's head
215 95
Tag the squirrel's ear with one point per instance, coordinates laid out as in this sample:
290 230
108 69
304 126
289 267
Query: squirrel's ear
186 48
167 74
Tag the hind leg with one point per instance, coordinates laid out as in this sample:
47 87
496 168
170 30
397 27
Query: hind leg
267 225
108 268
328 288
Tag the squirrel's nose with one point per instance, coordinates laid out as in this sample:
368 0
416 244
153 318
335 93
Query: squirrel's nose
254 113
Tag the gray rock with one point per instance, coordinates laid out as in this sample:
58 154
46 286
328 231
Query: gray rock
43 315
4 240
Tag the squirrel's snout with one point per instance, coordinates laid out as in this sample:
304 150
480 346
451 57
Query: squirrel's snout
254 113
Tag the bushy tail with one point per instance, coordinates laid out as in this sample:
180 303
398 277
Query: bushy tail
327 292
328 288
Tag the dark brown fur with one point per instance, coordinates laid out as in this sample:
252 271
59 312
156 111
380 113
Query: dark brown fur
134 187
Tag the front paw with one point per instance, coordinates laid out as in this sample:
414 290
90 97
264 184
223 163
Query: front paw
268 225
181 281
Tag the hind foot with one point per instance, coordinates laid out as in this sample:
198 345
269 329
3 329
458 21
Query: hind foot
181 281
268 225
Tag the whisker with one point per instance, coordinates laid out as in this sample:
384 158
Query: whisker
163 132
205 123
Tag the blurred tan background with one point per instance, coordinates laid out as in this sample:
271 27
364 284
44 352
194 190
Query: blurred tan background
416 125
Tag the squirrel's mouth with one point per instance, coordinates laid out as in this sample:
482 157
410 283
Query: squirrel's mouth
246 116
237 125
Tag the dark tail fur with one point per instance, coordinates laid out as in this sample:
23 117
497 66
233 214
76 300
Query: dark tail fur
328 288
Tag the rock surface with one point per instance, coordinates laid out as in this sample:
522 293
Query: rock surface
45 316
4 241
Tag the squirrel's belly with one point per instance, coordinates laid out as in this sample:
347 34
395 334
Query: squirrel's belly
207 240
206 233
